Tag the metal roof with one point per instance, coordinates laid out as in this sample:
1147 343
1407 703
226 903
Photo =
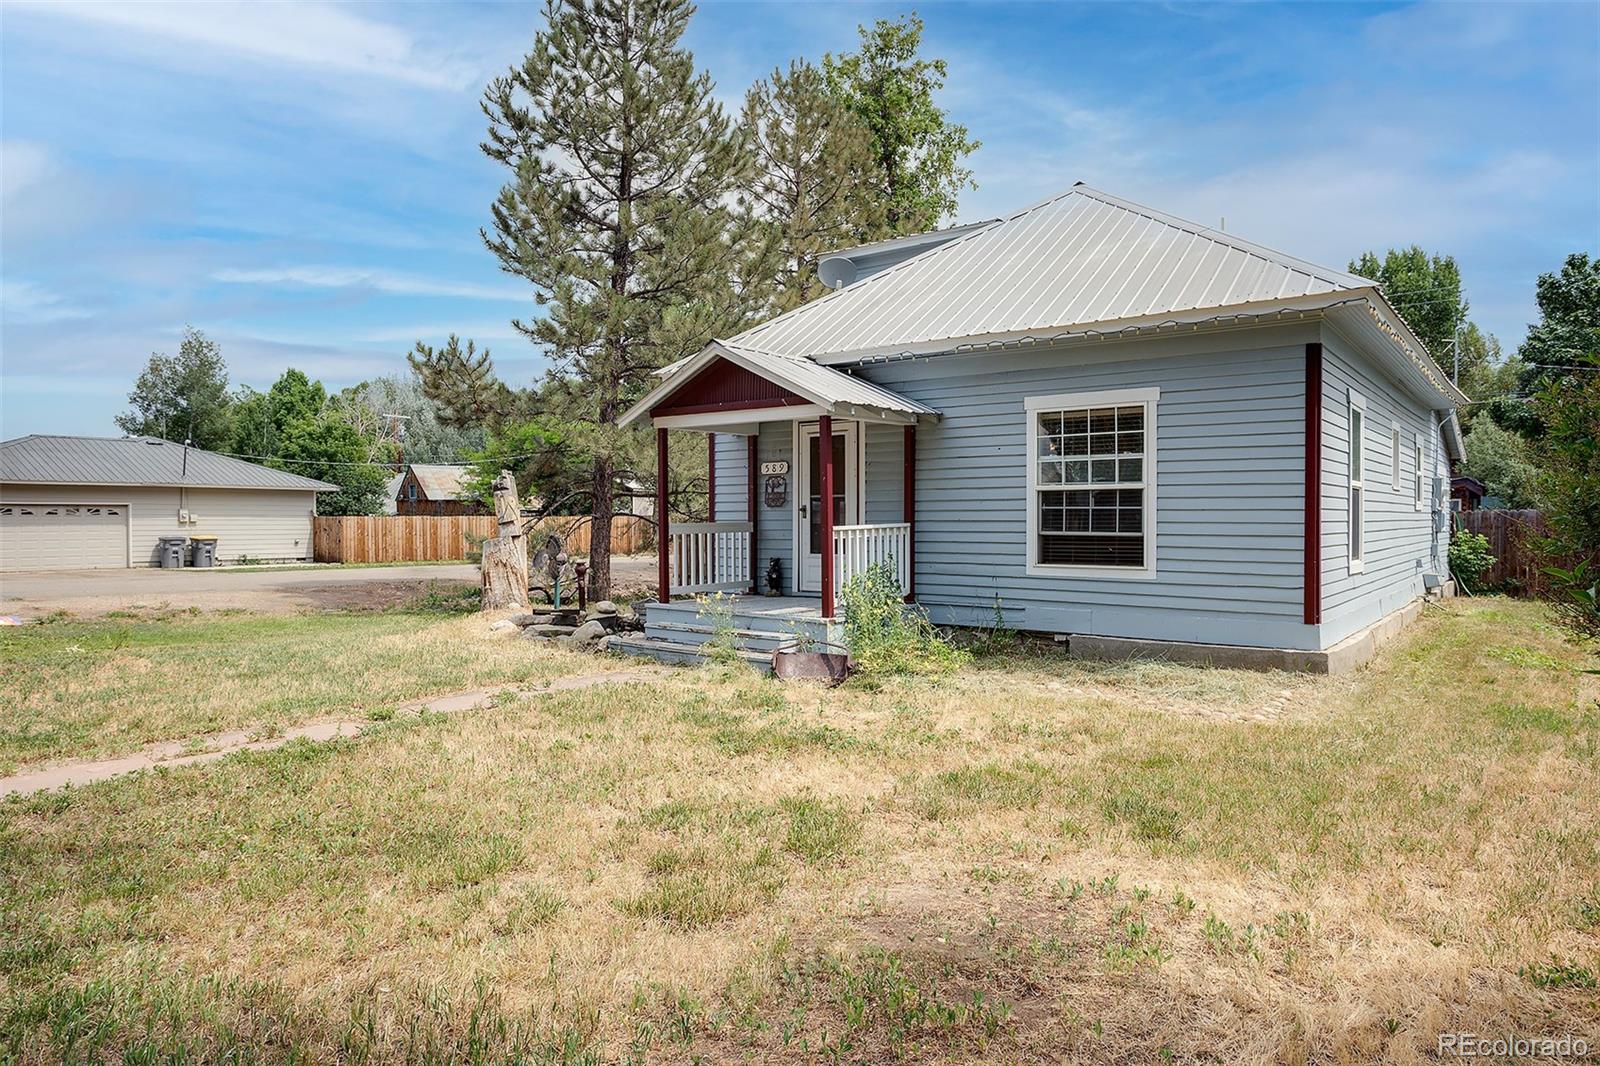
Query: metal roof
831 389
1082 257
441 481
60 460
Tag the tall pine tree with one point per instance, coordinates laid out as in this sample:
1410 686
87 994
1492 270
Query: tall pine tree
814 177
618 213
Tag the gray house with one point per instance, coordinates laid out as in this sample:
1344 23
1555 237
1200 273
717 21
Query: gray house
1092 418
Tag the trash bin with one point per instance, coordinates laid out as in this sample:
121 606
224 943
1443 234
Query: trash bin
171 552
205 551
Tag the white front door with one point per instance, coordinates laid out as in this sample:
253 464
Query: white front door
808 496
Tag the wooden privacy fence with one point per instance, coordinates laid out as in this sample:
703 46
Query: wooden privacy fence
428 538
1511 535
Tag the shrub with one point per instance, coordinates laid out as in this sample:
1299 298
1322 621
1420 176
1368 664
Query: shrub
1574 595
885 635
1470 558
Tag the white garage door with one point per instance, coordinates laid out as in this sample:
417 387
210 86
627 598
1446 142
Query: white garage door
60 536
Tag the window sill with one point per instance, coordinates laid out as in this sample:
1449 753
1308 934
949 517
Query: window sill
1102 573
1357 566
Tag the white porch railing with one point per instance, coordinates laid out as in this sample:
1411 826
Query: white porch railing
709 556
857 547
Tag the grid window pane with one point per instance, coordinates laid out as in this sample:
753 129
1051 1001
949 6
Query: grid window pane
1103 447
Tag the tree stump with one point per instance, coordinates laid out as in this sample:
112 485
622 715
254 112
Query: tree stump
505 558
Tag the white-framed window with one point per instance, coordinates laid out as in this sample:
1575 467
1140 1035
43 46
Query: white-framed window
1416 472
1394 456
1092 483
1358 485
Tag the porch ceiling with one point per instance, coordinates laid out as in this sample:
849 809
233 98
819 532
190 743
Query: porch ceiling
759 387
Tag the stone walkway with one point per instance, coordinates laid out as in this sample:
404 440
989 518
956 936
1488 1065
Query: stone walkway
220 745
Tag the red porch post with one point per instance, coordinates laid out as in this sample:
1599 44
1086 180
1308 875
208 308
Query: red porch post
750 477
663 532
825 456
1312 578
909 497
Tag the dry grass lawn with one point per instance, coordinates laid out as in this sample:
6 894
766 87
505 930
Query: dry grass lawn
1034 860
80 689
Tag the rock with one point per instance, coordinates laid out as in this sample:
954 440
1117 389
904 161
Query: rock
605 607
530 619
588 632
551 629
502 625
606 644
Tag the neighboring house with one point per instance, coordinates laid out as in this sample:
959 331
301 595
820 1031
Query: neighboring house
391 493
436 489
1090 419
1466 492
73 502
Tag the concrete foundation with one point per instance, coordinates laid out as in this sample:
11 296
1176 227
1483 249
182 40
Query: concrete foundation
1342 658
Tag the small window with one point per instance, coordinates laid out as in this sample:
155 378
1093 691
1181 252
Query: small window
1091 482
1358 485
411 492
1394 457
1416 486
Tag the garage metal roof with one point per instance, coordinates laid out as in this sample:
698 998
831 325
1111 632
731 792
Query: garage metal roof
1082 257
60 460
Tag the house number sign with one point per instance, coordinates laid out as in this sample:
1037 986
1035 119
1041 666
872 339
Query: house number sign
779 467
776 489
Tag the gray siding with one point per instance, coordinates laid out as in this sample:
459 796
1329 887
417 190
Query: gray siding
884 477
1230 447
732 477
775 525
1400 541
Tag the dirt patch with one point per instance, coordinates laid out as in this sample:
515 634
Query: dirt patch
384 595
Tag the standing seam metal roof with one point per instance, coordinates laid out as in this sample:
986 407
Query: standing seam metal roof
151 461
1078 258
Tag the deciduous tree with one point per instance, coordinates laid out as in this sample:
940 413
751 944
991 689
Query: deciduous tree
183 397
919 150
1426 290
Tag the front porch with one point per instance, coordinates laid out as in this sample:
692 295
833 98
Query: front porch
813 480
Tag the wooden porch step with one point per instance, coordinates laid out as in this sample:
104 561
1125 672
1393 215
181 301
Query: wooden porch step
678 653
762 640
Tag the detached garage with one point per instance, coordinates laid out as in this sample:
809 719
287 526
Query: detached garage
69 503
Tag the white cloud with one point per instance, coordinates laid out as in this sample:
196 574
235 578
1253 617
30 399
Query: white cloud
321 277
24 165
316 35
23 301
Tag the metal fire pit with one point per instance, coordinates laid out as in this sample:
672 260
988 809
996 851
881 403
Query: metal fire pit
791 663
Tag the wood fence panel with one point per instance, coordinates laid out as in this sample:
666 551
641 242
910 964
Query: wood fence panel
1511 535
429 538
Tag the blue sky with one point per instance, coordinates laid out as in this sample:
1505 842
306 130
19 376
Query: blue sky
303 182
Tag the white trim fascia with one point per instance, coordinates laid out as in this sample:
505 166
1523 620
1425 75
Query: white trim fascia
1396 441
1031 405
1355 450
722 420
1419 456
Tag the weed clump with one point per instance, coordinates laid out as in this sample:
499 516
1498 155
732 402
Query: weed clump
886 636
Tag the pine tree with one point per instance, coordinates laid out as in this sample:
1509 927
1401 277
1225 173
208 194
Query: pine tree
618 213
462 382
814 175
